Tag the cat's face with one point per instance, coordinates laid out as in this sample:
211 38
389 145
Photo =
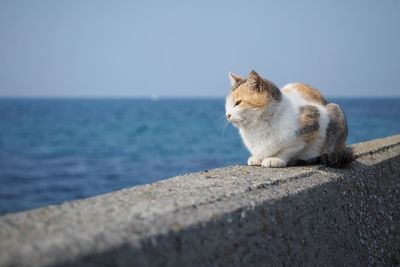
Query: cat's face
247 100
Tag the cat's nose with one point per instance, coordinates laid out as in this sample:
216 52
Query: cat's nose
228 116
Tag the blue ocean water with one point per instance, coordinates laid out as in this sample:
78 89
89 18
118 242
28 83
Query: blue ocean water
53 150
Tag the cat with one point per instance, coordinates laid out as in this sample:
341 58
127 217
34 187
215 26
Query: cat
292 126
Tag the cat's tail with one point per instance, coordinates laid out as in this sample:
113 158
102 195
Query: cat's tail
335 159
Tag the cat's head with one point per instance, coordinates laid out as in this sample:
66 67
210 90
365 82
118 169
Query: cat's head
249 98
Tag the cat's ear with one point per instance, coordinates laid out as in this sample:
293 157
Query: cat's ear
234 78
255 82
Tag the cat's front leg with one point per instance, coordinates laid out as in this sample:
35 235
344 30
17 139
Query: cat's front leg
281 158
253 161
274 162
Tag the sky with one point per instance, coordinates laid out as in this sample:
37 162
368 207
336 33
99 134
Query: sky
186 48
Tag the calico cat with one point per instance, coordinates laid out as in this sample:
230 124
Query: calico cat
295 125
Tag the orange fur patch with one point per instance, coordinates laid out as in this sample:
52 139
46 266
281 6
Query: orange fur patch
309 93
309 123
250 98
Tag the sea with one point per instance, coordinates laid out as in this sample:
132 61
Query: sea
55 150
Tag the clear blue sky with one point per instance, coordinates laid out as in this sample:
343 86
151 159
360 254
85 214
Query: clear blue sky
186 48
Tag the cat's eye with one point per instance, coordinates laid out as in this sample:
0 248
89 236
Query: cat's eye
237 103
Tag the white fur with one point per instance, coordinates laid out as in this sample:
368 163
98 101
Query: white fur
270 134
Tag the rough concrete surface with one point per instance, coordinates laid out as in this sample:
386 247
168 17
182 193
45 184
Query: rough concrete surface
233 216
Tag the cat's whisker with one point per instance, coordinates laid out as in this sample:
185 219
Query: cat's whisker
223 123
223 130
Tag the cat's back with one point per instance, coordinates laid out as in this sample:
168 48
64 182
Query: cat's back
322 125
304 92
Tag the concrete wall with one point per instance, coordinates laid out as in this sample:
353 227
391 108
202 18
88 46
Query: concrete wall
234 216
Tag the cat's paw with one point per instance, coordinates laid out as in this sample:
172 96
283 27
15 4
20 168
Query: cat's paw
274 163
252 161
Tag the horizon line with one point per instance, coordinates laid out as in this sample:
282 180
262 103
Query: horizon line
157 97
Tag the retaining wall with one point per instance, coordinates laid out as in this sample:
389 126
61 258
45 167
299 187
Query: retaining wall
233 216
